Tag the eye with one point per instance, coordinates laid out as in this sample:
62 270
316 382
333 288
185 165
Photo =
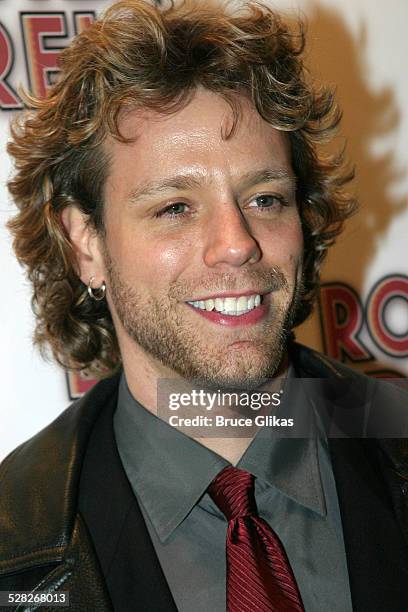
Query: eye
268 201
173 210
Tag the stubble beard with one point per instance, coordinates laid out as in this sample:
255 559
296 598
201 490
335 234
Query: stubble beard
160 329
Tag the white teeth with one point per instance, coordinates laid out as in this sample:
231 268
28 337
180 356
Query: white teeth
209 304
242 303
233 306
230 305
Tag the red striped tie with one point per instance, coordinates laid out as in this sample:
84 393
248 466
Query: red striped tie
259 576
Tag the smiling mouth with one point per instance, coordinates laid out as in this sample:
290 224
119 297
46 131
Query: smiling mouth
229 306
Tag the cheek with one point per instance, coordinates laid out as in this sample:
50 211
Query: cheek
154 263
283 245
168 256
297 243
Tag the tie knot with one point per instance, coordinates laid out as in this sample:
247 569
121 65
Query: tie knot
233 492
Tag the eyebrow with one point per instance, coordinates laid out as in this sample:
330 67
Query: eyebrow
183 182
180 182
266 175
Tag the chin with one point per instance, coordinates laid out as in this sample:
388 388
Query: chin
244 376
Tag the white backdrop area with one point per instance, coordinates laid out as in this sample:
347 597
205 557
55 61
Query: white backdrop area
362 316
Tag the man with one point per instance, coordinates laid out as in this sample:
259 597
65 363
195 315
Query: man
174 210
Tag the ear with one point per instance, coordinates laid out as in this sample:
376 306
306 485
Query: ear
86 244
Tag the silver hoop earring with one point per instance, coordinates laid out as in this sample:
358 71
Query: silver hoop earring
96 294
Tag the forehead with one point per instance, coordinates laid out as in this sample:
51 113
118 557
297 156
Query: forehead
198 138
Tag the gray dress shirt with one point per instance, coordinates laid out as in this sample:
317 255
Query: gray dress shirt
295 493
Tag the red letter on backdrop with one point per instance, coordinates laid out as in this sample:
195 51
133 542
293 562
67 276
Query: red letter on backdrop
341 317
78 385
42 59
8 98
384 292
83 20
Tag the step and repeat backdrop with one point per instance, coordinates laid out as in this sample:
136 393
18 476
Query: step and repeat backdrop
362 315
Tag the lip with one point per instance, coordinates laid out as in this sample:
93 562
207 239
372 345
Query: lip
250 318
226 294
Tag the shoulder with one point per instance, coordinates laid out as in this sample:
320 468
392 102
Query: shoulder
39 482
310 363
359 405
71 426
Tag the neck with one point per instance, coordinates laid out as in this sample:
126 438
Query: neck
233 448
143 375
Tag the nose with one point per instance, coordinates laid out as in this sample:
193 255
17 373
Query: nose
229 240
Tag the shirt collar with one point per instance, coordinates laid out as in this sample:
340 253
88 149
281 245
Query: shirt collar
183 468
290 465
290 462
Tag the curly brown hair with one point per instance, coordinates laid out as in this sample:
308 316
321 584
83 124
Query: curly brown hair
142 56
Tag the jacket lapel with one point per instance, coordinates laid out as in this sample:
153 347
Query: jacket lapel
123 546
79 575
376 549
